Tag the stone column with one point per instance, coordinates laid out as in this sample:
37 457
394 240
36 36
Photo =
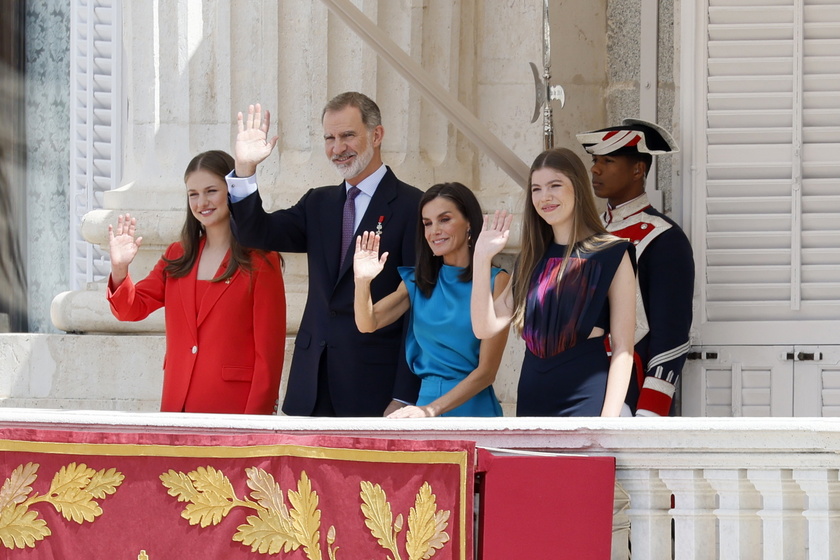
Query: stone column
694 521
739 527
822 490
190 65
649 512
784 525
177 103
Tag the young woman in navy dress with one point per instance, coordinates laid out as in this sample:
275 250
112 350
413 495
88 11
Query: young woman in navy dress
456 369
573 285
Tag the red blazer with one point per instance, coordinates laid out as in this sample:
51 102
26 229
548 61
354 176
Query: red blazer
224 355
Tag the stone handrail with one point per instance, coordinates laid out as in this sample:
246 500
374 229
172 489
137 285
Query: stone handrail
418 77
734 487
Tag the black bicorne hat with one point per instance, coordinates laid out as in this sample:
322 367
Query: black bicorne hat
632 137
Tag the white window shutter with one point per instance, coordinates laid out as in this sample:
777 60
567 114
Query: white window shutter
95 36
771 197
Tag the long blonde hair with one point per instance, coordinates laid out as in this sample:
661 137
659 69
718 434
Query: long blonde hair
588 232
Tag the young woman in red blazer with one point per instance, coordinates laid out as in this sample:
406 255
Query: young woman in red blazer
225 305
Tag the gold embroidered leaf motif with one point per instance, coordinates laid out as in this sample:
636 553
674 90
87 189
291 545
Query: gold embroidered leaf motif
306 517
76 505
441 537
426 530
208 491
72 476
209 480
20 527
266 492
378 517
179 485
69 496
71 493
213 500
266 533
104 482
142 555
19 485
208 508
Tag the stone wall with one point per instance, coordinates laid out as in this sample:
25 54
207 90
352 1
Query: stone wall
624 90
90 372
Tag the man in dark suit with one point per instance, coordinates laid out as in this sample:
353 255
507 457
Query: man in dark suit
336 370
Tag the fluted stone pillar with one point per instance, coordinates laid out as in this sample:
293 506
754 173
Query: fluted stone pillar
190 65
176 100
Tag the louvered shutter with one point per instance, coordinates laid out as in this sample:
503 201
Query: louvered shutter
769 195
94 125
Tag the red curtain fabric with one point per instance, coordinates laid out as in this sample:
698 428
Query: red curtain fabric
163 496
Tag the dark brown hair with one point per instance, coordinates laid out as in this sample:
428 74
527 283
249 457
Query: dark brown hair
427 264
371 117
220 164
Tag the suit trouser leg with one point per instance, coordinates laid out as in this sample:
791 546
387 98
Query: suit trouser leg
323 402
621 524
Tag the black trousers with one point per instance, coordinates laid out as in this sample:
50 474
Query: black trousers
323 402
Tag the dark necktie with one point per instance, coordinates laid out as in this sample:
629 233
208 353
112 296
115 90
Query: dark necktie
348 220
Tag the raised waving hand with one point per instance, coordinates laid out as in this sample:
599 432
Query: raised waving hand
490 314
494 235
253 143
367 263
123 246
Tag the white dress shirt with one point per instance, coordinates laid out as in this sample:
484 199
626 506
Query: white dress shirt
241 187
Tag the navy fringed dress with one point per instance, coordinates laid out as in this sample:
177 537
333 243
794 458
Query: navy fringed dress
564 373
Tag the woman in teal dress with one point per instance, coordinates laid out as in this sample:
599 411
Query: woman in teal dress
456 369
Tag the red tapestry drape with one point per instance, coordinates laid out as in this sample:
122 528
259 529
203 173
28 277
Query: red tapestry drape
546 506
164 496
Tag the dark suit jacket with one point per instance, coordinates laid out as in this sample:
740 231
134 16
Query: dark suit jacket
365 370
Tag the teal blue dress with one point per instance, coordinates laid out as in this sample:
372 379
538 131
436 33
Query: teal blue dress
440 346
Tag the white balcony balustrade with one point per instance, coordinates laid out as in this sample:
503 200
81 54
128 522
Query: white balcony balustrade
700 488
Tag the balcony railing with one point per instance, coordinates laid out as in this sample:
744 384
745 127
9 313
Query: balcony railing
700 488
